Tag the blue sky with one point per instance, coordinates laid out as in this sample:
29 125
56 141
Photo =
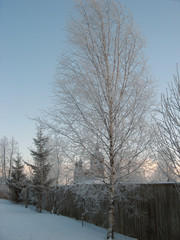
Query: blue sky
32 34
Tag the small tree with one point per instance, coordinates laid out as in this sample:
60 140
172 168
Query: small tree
16 181
41 169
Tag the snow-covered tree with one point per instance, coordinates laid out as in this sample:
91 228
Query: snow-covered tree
41 168
8 149
13 148
4 157
168 132
16 181
56 159
104 93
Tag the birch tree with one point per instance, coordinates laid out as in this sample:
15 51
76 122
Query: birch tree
103 92
168 132
4 157
13 148
8 149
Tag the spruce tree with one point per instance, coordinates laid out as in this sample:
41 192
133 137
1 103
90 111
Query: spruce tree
41 169
16 180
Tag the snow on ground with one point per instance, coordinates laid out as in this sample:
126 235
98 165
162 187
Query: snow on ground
19 223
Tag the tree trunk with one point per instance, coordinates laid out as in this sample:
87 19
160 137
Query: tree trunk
37 204
40 203
10 165
27 198
54 209
110 234
4 164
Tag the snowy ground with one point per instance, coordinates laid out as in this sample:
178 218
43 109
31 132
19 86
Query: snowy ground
18 223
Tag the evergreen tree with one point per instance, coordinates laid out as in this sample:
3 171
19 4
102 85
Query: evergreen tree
16 180
41 169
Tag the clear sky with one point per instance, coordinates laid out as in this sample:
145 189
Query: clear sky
32 34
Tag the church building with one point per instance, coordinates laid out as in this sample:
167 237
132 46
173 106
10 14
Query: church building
96 170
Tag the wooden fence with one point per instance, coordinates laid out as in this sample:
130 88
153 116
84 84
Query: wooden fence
157 216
